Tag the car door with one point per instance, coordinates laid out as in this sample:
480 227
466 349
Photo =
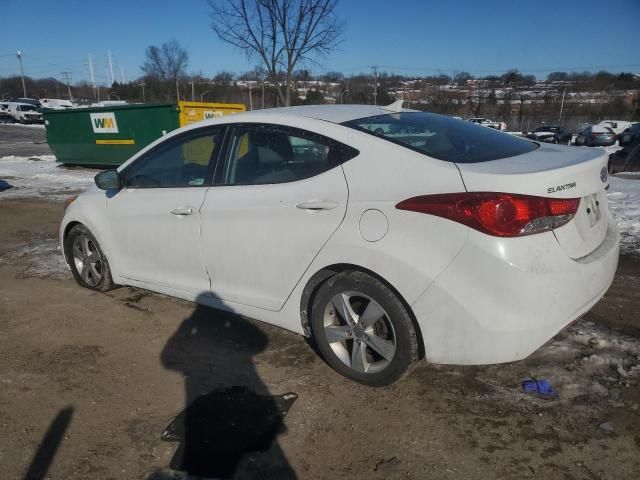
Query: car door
277 199
156 215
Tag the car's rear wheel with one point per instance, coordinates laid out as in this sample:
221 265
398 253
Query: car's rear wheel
363 330
88 263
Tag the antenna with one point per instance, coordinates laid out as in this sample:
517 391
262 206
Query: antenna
110 67
93 80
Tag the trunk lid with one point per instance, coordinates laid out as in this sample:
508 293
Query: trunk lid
558 172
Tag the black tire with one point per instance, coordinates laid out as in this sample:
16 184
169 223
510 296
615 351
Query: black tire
396 324
88 280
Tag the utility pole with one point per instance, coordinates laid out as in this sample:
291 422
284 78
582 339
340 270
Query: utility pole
375 84
24 87
144 100
193 92
121 74
250 100
562 106
66 75
177 91
262 82
93 80
110 67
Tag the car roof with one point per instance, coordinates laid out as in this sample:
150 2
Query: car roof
329 113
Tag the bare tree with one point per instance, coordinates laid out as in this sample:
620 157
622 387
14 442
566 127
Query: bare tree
280 33
166 62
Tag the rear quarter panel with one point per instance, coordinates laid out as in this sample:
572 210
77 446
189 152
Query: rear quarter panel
416 247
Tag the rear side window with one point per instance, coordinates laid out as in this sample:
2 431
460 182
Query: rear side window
443 137
263 154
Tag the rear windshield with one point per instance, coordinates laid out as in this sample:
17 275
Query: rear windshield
443 137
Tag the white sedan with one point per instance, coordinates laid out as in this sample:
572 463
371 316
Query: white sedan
448 242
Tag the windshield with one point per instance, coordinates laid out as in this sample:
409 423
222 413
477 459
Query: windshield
443 137
28 108
547 129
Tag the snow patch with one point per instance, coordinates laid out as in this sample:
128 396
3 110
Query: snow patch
41 177
586 363
624 205
38 126
43 258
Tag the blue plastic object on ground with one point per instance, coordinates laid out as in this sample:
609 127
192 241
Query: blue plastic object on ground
538 387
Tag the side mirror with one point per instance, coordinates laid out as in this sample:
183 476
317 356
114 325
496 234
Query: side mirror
108 180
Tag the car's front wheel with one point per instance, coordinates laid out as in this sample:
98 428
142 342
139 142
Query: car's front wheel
88 263
363 330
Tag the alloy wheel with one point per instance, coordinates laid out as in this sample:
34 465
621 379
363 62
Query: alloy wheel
359 332
87 260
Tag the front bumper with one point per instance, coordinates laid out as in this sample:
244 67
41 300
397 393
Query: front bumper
501 299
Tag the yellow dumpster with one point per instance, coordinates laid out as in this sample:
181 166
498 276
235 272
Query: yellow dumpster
191 112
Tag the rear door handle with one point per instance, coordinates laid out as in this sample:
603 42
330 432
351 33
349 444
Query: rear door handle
322 205
183 211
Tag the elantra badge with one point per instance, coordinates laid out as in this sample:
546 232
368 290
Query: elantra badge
604 174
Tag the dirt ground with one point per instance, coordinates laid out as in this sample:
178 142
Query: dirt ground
89 381
115 368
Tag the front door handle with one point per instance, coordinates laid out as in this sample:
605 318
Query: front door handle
183 211
322 205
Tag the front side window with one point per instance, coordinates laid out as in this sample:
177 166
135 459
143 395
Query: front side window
443 137
264 154
180 162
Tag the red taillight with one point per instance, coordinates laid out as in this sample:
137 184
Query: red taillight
498 214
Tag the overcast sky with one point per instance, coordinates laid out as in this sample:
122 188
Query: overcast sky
411 37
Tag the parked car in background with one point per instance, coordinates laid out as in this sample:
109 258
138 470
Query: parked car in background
629 135
378 246
25 113
32 101
56 103
626 159
5 116
618 126
596 136
551 134
485 122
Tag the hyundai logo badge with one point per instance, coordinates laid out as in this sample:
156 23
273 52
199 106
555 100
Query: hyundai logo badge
604 174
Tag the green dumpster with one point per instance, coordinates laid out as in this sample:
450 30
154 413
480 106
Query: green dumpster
107 135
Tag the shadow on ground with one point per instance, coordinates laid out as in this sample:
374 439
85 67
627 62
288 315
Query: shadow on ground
229 426
43 458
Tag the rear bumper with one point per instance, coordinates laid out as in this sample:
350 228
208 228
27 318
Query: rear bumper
501 299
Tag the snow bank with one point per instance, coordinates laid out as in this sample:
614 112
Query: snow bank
41 177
